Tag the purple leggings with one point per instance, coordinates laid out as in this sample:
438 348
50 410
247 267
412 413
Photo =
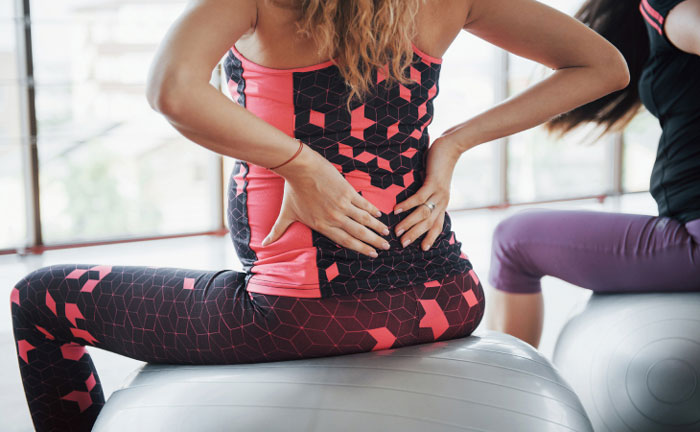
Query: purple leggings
604 252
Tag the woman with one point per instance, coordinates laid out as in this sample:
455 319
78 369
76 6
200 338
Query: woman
332 195
608 252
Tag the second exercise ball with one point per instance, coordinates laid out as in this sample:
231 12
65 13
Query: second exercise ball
634 360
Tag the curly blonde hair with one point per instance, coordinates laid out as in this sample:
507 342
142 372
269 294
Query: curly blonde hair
367 34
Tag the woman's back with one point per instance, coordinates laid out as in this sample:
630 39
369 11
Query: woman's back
669 87
274 44
379 146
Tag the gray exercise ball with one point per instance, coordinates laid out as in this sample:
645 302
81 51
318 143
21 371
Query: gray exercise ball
634 359
491 382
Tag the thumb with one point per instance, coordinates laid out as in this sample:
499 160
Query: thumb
279 228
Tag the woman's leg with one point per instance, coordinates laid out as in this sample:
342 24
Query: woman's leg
604 252
151 314
518 314
166 315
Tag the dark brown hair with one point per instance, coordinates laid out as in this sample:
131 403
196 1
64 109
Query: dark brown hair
621 23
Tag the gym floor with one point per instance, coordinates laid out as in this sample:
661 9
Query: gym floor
473 228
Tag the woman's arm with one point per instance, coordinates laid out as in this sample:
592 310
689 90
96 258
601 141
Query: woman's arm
586 66
178 85
315 194
682 26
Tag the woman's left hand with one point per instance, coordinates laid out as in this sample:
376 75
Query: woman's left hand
442 156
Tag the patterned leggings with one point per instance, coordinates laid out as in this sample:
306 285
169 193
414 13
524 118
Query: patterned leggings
169 315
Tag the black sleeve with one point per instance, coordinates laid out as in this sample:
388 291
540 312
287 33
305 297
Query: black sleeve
654 13
662 7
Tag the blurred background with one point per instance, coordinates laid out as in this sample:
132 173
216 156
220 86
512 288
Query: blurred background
83 158
87 168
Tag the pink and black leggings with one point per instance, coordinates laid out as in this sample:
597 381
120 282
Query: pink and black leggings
169 315
604 252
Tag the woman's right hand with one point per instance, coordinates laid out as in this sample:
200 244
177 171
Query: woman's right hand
317 195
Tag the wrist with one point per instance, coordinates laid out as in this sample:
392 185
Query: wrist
450 147
460 137
300 165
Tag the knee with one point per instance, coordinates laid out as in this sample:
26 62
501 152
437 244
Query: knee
511 267
509 248
30 289
510 230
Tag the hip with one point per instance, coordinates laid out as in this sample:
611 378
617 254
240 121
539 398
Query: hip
444 308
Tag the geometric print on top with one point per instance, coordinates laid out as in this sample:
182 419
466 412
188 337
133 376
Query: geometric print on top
379 146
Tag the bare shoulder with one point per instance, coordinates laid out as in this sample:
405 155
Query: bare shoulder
439 22
682 24
220 17
277 11
447 10
244 10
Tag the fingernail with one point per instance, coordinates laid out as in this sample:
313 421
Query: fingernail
386 231
386 245
399 232
373 254
378 214
426 247
398 210
405 242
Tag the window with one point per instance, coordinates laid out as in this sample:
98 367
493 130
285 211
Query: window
469 81
641 140
13 217
110 166
543 167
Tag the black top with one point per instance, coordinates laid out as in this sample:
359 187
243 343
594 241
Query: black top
670 89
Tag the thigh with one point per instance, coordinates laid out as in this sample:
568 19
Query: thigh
612 252
154 314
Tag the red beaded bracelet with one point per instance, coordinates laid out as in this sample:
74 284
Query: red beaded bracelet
301 145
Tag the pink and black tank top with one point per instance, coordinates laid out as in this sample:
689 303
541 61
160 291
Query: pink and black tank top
378 146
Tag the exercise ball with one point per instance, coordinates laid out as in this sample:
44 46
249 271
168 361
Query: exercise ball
634 360
492 382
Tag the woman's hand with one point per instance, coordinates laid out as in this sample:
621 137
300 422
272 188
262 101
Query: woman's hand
442 156
317 195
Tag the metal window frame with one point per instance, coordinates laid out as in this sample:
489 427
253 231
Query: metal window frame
28 126
502 145
614 187
617 159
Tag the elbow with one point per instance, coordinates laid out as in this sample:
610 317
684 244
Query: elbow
162 100
162 92
622 79
153 96
616 71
